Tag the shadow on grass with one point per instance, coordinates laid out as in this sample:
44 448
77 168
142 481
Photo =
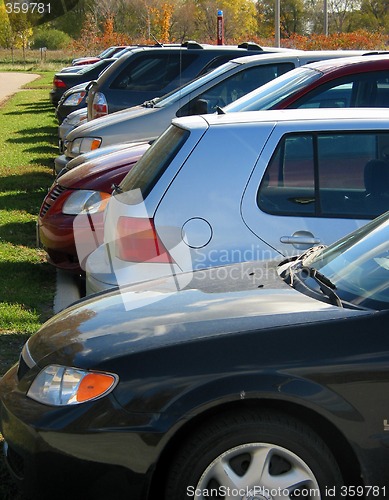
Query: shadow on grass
45 143
32 108
30 291
30 182
19 233
10 346
32 136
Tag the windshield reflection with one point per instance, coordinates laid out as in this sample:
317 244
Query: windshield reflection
270 94
358 265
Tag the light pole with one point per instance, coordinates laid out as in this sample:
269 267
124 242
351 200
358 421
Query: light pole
277 23
326 17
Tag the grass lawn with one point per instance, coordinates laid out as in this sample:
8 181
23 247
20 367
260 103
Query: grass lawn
28 144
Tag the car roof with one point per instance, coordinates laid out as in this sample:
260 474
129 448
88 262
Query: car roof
245 48
366 62
334 115
309 55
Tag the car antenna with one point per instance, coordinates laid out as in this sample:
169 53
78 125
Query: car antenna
156 41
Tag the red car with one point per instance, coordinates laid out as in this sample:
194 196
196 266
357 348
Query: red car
88 186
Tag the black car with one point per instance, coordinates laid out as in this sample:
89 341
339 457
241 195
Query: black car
252 381
151 71
63 81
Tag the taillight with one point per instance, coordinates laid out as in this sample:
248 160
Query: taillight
138 241
99 106
57 82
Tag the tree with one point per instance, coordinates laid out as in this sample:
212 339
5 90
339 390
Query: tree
6 35
293 17
240 21
52 39
373 15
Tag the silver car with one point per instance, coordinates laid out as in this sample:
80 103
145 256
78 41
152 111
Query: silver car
219 189
206 94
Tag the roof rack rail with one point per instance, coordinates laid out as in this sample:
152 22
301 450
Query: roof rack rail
249 46
191 44
376 53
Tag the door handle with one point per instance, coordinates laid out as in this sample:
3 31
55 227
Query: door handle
301 240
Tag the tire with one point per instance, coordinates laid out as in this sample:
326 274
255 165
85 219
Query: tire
252 455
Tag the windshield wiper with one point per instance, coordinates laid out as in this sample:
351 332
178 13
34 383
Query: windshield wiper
326 286
296 275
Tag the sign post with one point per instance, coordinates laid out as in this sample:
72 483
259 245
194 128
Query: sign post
220 28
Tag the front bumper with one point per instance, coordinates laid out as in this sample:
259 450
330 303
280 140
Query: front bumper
65 247
82 451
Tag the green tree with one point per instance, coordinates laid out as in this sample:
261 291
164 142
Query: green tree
240 20
73 21
293 17
50 38
373 15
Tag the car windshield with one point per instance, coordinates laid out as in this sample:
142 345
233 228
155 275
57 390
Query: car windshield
178 94
270 94
356 267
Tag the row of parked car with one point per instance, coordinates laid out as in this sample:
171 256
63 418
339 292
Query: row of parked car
237 231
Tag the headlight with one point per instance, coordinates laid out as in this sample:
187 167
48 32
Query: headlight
74 99
85 201
60 385
84 144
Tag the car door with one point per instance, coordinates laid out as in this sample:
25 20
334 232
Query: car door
312 188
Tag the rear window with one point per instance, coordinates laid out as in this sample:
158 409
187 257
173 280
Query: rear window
146 172
152 72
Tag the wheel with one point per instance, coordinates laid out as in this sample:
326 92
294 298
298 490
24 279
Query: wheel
252 455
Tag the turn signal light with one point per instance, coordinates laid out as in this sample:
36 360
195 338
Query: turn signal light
94 385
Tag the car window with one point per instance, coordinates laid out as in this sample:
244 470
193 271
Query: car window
328 175
152 71
361 90
215 63
154 162
273 92
234 87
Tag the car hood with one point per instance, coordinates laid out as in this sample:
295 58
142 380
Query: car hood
97 173
218 301
76 88
94 126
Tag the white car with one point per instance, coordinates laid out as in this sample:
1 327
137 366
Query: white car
219 189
